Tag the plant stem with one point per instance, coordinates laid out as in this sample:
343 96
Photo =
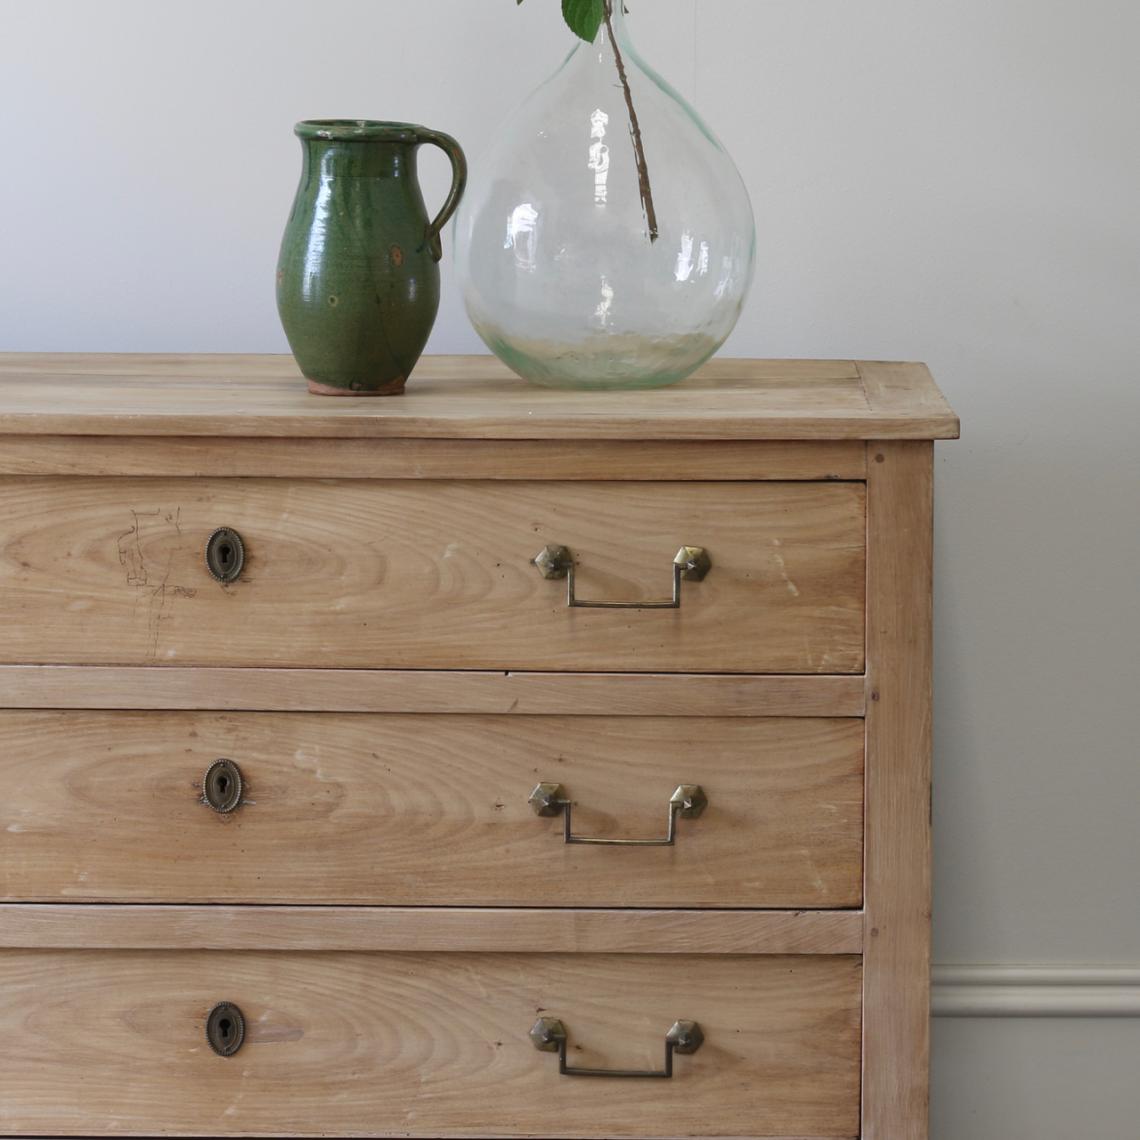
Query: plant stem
634 130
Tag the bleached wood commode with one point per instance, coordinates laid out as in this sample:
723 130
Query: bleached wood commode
334 802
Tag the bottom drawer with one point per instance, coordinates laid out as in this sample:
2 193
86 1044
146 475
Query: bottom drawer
386 1044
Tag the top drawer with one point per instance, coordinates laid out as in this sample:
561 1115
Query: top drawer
437 575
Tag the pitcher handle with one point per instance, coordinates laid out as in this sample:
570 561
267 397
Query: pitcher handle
454 151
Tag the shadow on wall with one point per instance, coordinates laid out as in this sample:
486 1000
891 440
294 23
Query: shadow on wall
1036 781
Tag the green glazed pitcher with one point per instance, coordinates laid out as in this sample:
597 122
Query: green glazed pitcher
358 276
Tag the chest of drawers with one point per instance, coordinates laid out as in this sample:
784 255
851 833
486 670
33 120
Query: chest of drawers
484 763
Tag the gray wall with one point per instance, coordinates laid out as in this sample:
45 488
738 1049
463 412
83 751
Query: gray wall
957 182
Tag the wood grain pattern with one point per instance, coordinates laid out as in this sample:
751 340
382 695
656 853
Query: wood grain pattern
454 398
578 461
431 575
425 1045
905 388
428 810
397 691
896 1036
83 926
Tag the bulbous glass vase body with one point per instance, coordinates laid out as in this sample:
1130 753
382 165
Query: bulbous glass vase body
599 246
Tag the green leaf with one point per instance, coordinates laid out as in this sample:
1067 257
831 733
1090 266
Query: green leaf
584 17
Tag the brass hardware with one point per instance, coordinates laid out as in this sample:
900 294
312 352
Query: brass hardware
687 802
549 1036
222 786
225 555
553 561
691 564
225 1029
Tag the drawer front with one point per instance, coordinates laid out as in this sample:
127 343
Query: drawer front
433 574
436 810
426 1045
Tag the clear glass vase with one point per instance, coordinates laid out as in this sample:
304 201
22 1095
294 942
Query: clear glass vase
607 239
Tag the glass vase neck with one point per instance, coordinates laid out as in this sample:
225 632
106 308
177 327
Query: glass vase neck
615 12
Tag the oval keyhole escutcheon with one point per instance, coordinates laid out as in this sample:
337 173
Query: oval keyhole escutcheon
222 786
225 555
225 1029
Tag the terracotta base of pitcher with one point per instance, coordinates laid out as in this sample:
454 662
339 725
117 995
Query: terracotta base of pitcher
392 388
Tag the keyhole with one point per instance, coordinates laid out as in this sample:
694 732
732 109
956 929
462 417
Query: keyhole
222 786
225 1029
225 555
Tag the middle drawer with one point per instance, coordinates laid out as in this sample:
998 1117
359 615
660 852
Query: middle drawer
404 809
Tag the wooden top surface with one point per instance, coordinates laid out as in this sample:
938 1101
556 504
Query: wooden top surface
465 397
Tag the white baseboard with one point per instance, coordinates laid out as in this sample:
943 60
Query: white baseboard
1036 991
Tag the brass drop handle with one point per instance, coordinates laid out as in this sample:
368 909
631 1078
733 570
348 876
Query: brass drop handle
549 1036
222 786
688 802
225 1029
691 564
225 555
